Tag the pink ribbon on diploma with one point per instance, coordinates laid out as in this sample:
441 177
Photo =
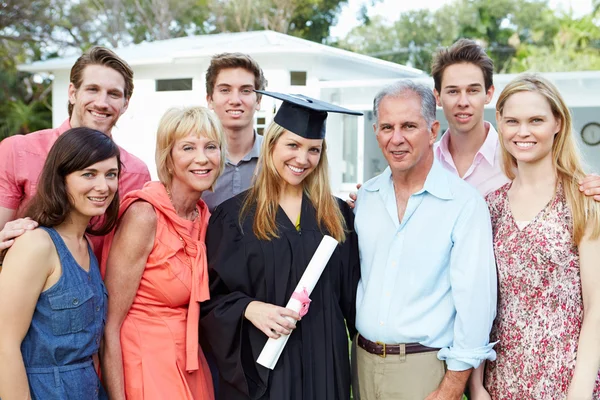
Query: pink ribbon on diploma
303 298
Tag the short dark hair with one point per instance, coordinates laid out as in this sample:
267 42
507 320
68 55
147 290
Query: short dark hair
74 150
233 60
462 51
99 55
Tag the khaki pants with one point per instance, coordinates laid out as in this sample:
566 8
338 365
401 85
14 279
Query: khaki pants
395 377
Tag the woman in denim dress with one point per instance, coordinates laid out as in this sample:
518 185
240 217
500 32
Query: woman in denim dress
52 299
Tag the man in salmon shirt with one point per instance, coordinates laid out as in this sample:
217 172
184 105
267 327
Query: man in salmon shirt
100 87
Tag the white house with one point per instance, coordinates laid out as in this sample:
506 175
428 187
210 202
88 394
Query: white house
292 65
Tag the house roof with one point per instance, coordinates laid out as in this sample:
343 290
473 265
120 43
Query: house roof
254 43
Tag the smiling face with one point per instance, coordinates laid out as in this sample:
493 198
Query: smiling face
463 97
92 189
234 100
402 133
196 162
100 99
528 127
296 157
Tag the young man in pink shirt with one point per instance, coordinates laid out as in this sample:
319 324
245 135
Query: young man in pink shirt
463 85
100 87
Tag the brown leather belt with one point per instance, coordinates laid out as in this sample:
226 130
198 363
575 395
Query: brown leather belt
382 349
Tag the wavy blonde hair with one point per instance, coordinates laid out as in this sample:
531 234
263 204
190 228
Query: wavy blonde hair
565 154
267 188
178 123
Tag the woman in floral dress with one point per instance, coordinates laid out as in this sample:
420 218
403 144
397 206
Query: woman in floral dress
547 246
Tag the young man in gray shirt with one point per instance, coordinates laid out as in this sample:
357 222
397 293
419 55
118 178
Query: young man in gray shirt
231 80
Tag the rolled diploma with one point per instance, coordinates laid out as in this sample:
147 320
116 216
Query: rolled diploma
274 347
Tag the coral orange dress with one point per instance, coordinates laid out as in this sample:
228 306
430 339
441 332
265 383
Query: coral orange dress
159 336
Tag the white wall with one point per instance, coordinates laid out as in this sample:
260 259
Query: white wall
60 98
136 129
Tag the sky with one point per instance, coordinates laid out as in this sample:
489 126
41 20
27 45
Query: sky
391 8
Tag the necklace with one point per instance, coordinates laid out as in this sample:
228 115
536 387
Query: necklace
194 213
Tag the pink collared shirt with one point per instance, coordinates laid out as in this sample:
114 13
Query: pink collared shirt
22 159
485 174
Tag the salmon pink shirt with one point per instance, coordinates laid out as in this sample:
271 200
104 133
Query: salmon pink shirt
22 159
485 174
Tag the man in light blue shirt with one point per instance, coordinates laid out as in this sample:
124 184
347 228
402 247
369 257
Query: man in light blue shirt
428 271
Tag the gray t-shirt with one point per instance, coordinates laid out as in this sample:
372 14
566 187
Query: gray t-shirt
235 177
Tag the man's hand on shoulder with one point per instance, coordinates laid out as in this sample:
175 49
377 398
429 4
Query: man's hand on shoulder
14 229
590 186
353 196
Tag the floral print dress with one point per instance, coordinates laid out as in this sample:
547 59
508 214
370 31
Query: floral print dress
540 305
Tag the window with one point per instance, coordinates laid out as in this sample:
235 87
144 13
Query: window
173 85
261 124
298 78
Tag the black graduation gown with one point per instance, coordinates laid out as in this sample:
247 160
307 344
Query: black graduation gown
315 363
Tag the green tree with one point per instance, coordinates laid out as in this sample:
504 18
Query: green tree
22 118
517 34
308 19
25 29
313 18
498 24
411 40
32 30
575 47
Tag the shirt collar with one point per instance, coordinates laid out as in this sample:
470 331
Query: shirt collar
64 127
487 149
435 184
442 151
379 182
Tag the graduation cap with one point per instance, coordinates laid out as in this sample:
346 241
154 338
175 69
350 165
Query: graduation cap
304 115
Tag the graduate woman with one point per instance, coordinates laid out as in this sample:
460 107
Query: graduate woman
259 244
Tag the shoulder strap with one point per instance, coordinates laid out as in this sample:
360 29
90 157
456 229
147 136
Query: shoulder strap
59 243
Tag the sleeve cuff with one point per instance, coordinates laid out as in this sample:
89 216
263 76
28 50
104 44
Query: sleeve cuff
8 202
463 359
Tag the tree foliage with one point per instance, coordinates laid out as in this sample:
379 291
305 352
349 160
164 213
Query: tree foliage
518 34
32 30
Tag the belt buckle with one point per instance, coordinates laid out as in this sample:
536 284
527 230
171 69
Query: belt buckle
382 355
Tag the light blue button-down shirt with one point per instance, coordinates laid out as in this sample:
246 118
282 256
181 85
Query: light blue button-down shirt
430 278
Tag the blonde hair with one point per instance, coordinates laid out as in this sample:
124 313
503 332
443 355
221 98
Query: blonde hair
178 123
267 188
565 154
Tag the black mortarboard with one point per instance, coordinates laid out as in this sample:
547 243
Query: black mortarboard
304 115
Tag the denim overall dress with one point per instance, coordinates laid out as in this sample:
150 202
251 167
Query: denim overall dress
65 332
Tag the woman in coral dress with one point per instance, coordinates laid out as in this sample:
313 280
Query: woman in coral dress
156 268
547 246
